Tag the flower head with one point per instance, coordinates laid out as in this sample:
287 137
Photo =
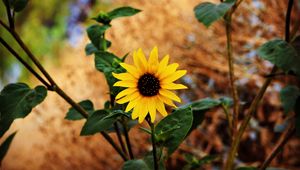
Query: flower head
149 85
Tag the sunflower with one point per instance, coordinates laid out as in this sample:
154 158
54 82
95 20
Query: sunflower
149 85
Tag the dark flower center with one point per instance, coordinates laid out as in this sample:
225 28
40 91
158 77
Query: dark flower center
148 85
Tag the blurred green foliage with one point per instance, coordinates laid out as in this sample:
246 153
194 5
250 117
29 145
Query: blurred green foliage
41 25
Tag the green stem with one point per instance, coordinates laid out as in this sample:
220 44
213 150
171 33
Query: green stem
109 139
234 91
229 118
128 141
155 162
116 126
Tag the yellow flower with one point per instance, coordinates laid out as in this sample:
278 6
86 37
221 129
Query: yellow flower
148 85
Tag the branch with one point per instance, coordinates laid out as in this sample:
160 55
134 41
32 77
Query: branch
9 16
257 99
234 91
283 140
15 54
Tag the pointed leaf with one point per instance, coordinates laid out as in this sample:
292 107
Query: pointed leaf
5 146
73 114
288 97
95 34
17 101
200 107
137 164
96 123
207 12
122 12
181 118
18 5
282 54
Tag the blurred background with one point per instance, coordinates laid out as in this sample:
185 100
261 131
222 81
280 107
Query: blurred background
55 32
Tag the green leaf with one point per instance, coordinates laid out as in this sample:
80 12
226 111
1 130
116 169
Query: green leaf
137 164
18 5
143 164
90 49
174 128
296 44
203 104
122 12
101 120
95 34
73 114
17 101
207 12
96 123
200 107
5 146
148 159
108 63
104 61
102 18
282 54
194 163
288 96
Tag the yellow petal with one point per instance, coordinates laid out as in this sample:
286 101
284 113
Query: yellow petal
153 60
126 83
126 92
169 95
152 108
174 76
173 86
132 104
131 69
128 98
143 110
162 65
161 108
166 100
124 76
140 61
135 113
170 69
142 58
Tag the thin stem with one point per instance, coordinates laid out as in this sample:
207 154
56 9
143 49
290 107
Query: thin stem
234 91
4 25
288 20
257 99
229 119
128 141
109 139
15 54
31 56
116 126
155 162
283 140
9 16
251 111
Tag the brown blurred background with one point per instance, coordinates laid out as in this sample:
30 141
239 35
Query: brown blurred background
46 141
